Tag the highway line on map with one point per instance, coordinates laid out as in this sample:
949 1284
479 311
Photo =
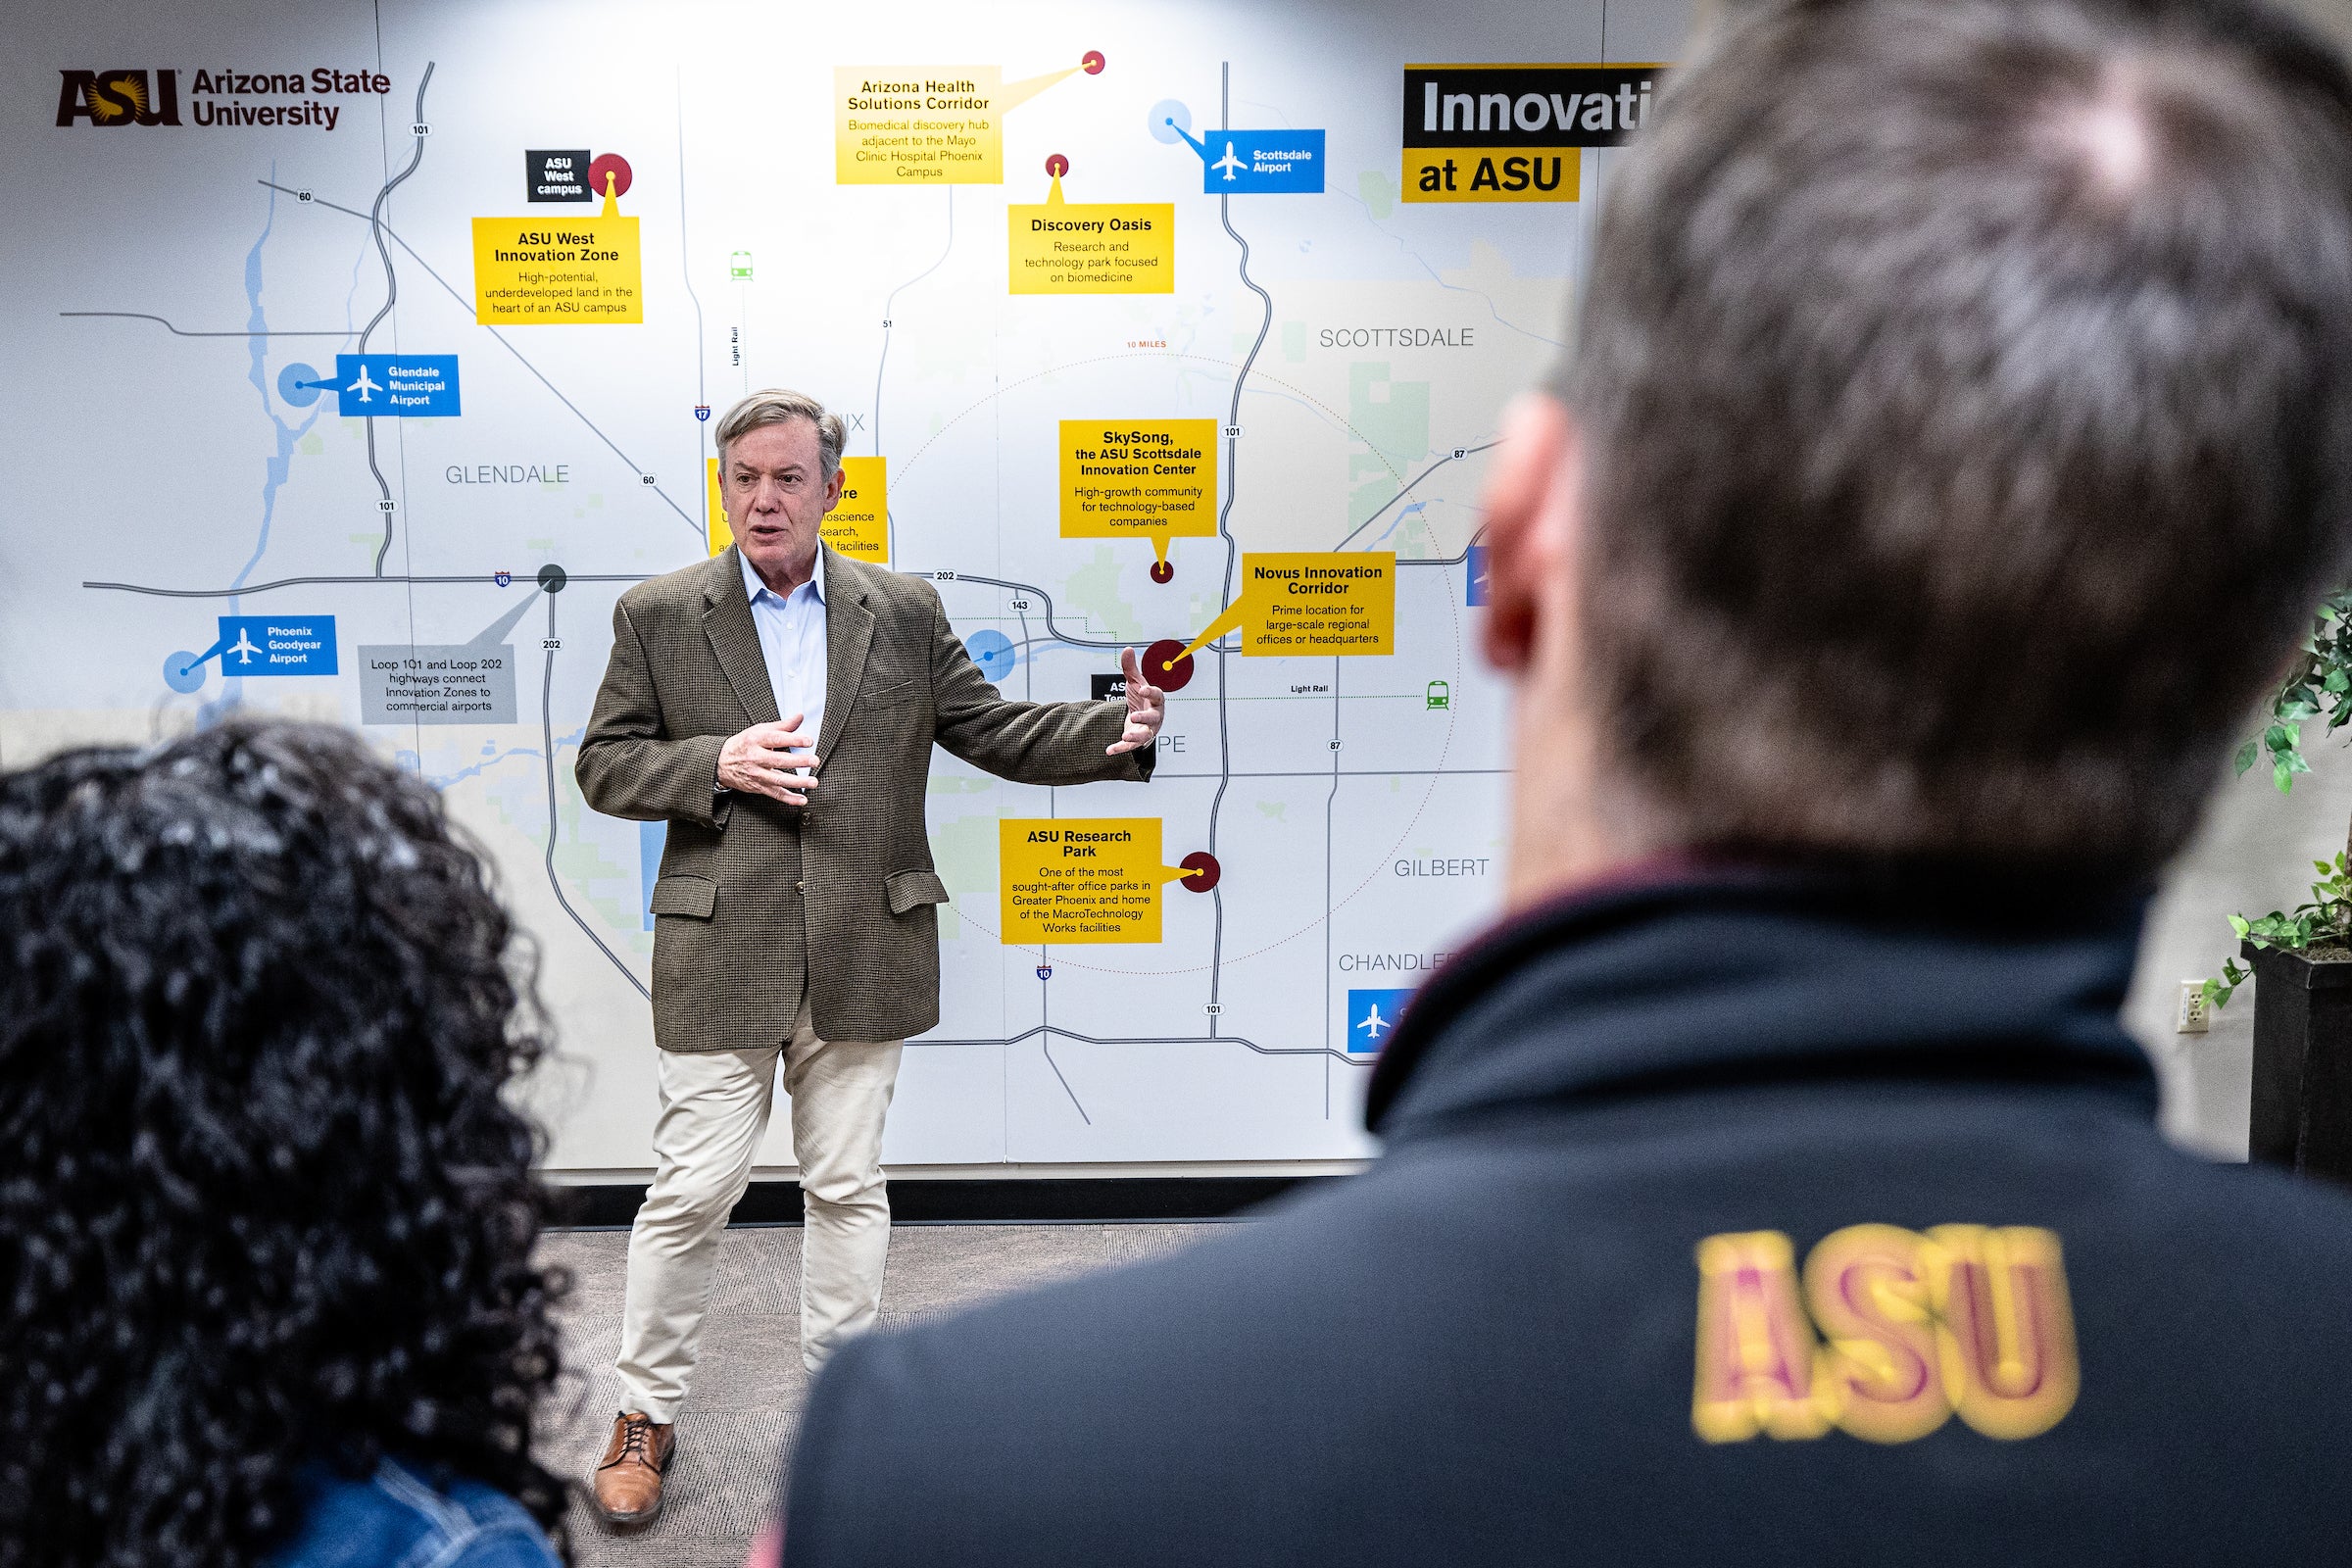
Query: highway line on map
376 228
143 315
1451 457
1233 422
702 392
1044 1045
547 731
1056 632
501 338
1037 1029
890 307
482 577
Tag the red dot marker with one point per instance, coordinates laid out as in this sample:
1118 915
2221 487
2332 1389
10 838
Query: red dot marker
1056 165
1163 670
1092 62
1204 868
1163 570
615 166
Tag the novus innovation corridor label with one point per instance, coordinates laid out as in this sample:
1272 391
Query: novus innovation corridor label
1309 602
1081 879
1512 133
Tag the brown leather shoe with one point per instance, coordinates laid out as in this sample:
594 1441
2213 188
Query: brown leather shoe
628 1479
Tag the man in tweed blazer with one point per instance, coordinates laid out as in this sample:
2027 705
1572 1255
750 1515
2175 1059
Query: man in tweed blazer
778 705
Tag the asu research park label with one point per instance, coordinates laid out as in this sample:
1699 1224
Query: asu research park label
1513 132
1084 879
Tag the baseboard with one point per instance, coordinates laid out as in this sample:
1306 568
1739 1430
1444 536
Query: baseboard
1031 1200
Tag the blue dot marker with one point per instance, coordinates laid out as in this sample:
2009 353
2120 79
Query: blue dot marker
992 651
183 671
298 385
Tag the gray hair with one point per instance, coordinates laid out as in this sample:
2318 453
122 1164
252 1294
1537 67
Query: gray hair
774 406
1967 386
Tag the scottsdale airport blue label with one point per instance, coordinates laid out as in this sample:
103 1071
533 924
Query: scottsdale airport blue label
408 386
1371 1015
277 645
1236 163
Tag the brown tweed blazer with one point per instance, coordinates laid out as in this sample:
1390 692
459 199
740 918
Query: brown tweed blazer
755 894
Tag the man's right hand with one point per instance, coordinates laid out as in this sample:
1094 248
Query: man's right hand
757 762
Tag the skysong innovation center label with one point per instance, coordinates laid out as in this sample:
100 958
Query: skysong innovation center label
1511 134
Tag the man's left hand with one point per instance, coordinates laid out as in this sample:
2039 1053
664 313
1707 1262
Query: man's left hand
1146 707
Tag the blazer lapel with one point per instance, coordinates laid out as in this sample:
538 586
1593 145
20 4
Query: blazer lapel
849 633
728 622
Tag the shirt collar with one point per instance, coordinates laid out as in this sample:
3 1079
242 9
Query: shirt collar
753 587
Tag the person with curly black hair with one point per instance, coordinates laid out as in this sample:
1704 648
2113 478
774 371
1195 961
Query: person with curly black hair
267 1215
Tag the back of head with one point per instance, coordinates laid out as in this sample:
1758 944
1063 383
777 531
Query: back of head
1967 388
262 1202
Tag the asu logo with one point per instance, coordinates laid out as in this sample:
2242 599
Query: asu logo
119 97
1913 1329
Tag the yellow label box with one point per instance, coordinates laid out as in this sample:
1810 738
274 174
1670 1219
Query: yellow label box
549 271
857 525
1296 603
918 125
1131 479
1058 247
1490 174
1081 879
721 535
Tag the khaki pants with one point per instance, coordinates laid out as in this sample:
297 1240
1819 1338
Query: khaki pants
714 1109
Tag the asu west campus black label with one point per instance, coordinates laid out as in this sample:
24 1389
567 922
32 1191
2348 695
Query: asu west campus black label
1511 134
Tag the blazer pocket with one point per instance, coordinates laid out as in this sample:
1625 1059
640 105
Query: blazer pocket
695 896
892 696
907 888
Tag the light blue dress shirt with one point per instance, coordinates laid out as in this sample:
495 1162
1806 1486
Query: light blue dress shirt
792 642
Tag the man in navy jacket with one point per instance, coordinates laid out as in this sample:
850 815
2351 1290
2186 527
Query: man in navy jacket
1958 438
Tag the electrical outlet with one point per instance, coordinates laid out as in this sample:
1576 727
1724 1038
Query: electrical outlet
2195 1016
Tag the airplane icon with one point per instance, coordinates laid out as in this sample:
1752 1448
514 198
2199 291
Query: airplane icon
1230 164
244 648
1374 1023
363 386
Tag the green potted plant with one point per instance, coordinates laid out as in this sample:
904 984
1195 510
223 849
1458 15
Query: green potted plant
2301 959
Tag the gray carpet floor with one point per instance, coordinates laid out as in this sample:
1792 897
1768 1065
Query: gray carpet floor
749 1387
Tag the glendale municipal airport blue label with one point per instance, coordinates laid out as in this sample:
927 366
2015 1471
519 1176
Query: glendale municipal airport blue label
277 645
1238 161
1371 1014
409 386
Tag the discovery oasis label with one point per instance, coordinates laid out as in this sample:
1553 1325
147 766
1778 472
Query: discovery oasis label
1511 134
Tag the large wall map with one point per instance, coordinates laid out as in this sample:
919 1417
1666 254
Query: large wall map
362 355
